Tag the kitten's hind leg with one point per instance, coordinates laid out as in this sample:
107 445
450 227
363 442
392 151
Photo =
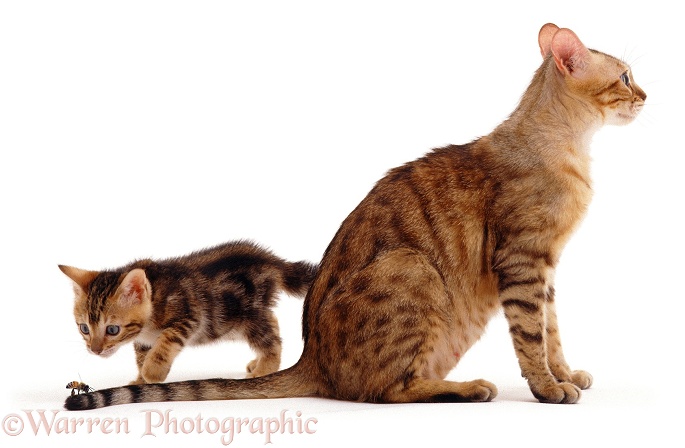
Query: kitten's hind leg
262 336
441 391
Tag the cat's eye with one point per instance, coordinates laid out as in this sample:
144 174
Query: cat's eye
112 330
625 78
84 328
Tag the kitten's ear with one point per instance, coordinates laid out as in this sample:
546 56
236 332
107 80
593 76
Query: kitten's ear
570 55
545 38
81 277
134 288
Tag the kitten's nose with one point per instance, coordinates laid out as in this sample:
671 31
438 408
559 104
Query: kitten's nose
96 347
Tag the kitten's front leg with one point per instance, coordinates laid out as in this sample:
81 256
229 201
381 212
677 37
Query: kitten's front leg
159 358
523 292
141 353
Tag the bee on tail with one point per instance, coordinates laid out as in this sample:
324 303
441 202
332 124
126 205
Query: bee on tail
77 387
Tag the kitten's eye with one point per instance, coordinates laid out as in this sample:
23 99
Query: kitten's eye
112 330
84 328
625 78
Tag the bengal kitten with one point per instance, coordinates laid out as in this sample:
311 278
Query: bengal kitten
443 243
224 292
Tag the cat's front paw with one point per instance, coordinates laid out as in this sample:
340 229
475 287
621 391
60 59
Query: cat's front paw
581 378
564 393
137 381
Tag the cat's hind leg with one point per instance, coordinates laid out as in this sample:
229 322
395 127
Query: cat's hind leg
389 335
442 391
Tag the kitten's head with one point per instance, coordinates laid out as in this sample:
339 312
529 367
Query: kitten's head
110 308
603 83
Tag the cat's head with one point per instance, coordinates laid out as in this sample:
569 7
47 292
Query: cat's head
601 82
110 308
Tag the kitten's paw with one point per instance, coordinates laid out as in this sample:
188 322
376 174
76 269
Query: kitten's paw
564 393
252 369
581 378
262 366
137 381
155 373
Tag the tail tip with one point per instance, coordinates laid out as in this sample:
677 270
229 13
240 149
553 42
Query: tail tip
299 276
77 403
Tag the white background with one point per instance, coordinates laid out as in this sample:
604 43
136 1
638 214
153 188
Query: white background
131 129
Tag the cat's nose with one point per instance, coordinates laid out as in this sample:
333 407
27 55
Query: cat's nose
641 94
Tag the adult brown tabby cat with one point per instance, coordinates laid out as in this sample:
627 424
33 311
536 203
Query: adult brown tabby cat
223 292
439 245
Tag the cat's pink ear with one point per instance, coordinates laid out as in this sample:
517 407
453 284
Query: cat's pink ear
570 55
545 38
133 288
80 277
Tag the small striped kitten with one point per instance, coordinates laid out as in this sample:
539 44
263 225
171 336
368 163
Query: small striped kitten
224 292
443 243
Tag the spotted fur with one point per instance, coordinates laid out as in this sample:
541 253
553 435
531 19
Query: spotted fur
440 245
224 292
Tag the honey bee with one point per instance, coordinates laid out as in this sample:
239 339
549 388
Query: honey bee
78 387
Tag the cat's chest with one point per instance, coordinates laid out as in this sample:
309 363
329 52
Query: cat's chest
556 202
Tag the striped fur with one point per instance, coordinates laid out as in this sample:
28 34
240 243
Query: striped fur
440 245
226 291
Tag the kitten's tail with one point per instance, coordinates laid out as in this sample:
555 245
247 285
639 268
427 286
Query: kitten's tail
292 382
298 277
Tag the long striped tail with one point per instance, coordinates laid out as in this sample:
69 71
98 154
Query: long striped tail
290 382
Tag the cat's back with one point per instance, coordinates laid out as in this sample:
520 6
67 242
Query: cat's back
436 205
414 204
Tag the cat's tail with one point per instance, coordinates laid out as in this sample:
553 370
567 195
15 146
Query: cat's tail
298 277
292 382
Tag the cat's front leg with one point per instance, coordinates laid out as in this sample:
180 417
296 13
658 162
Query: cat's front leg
159 358
523 293
555 355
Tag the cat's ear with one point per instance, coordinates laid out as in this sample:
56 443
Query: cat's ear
80 277
134 288
545 38
570 55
